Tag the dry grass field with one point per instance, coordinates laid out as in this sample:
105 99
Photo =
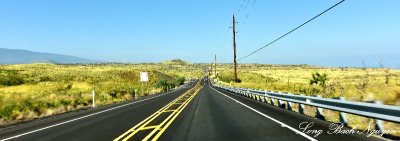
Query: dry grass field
29 91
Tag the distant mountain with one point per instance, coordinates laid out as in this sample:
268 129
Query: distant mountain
17 56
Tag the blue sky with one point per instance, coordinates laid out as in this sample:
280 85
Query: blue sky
153 31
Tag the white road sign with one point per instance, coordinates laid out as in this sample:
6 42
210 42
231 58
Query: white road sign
144 77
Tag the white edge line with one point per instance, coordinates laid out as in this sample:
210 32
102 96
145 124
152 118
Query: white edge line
75 119
277 121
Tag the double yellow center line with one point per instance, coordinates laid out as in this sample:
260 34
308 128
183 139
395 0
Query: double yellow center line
154 130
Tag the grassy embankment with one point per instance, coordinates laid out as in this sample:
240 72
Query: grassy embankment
36 90
355 84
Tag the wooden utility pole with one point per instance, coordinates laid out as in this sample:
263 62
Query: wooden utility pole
234 50
215 65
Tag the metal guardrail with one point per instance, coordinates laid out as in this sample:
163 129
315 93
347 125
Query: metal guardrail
376 110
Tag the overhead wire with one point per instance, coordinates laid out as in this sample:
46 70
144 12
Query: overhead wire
244 17
291 31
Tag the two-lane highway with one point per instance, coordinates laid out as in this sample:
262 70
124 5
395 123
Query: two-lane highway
201 113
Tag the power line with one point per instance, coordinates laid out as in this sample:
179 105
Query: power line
245 11
292 30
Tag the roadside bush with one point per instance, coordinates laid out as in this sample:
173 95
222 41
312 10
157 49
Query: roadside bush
162 83
180 80
6 111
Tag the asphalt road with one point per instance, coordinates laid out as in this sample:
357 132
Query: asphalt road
211 115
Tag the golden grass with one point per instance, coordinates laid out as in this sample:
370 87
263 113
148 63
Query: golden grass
49 89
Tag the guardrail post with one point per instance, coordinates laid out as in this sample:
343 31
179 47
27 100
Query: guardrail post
280 104
319 113
289 106
379 123
264 98
272 101
301 106
343 115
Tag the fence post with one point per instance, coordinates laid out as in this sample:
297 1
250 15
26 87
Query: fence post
320 114
93 100
343 115
135 94
379 123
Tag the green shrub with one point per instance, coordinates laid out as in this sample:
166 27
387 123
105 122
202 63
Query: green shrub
45 78
318 78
